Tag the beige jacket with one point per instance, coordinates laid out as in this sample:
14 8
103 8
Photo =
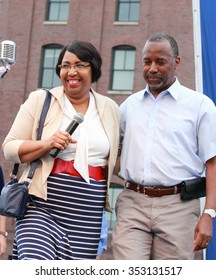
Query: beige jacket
26 124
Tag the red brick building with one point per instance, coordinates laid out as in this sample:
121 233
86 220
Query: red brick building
117 28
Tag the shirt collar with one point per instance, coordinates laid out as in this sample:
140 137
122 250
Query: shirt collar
174 90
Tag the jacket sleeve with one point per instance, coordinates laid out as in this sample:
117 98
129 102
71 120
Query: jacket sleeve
23 128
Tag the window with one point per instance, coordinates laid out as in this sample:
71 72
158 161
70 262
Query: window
115 190
49 78
57 10
128 10
122 76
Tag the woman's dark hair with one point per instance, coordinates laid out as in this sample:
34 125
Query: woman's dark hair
86 52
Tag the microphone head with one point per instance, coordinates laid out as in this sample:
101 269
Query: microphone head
78 118
8 52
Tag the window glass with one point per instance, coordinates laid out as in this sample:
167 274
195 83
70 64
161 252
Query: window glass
47 78
119 58
129 60
48 57
134 13
124 11
123 80
63 12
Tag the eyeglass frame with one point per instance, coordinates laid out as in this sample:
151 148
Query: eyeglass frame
77 66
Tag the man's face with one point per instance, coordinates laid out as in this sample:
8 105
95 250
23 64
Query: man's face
159 66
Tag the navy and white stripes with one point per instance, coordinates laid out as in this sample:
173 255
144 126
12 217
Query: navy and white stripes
67 225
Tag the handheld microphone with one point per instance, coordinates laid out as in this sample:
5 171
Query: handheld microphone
78 118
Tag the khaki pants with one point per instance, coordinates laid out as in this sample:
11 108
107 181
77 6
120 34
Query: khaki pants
158 228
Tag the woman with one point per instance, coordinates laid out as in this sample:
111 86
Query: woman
70 192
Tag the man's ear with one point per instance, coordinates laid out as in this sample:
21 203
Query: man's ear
177 61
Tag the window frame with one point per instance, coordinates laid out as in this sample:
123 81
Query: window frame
43 67
131 4
112 70
60 3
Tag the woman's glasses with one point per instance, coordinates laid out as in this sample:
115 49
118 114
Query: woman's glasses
76 66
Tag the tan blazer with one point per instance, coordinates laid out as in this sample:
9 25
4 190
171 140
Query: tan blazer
26 124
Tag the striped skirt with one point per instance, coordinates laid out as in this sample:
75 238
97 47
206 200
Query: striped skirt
66 226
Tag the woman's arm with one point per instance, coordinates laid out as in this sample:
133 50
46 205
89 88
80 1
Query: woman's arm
30 150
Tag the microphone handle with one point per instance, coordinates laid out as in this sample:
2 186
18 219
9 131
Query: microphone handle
72 126
70 129
54 152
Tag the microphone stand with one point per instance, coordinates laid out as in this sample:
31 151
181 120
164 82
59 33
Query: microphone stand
3 72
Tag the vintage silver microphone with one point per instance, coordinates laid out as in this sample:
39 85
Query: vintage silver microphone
7 56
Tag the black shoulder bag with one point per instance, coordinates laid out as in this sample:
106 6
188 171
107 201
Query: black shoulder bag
15 196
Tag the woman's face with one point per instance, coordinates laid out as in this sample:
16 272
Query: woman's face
76 76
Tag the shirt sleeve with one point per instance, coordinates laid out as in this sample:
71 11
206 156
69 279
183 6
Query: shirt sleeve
104 236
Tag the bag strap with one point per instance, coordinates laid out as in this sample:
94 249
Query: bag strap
44 113
14 172
36 162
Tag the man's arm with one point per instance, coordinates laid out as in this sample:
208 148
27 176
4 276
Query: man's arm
203 230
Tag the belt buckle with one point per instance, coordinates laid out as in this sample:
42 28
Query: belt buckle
141 189
146 188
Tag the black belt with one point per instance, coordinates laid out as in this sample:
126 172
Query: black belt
155 191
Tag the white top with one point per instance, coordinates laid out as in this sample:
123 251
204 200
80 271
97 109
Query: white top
167 139
92 147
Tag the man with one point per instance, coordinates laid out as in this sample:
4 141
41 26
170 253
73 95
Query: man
169 136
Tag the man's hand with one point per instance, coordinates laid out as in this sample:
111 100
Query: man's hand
203 233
